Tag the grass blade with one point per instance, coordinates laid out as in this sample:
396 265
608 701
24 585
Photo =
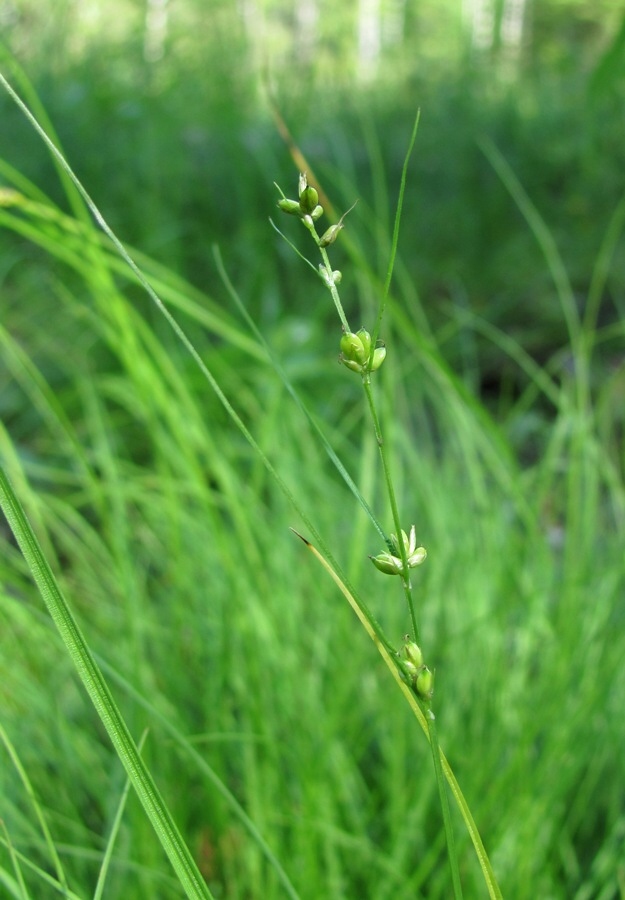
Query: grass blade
101 697
494 891
58 866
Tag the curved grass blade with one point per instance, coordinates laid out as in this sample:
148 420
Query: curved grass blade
205 769
494 891
117 821
101 697
47 837
349 481
395 240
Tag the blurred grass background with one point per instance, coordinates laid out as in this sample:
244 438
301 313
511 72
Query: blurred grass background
169 537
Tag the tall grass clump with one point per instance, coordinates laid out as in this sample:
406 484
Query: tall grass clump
154 516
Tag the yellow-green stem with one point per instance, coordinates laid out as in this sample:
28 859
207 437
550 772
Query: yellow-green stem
444 801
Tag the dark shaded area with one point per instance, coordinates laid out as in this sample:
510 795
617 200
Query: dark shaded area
181 165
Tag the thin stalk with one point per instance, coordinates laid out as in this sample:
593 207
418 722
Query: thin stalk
328 277
405 578
332 288
359 354
395 240
427 723
55 860
429 716
444 800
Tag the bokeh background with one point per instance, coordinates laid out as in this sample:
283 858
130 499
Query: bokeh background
502 398
176 94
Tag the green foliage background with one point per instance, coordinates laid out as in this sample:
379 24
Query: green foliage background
171 541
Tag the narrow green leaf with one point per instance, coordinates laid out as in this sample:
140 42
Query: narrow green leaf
101 697
494 891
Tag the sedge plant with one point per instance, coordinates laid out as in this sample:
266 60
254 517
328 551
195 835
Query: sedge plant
363 353
543 708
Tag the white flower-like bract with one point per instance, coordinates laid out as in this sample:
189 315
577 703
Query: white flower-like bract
391 562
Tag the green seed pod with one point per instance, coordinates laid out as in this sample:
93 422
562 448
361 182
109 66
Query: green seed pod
386 563
390 561
316 213
332 233
354 366
365 340
291 207
337 276
424 684
351 346
394 542
309 199
379 355
411 671
413 654
329 236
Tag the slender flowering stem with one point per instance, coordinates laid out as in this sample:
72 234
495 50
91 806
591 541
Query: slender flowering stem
329 280
405 575
327 274
361 354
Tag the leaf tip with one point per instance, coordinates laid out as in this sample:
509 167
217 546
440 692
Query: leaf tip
301 537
